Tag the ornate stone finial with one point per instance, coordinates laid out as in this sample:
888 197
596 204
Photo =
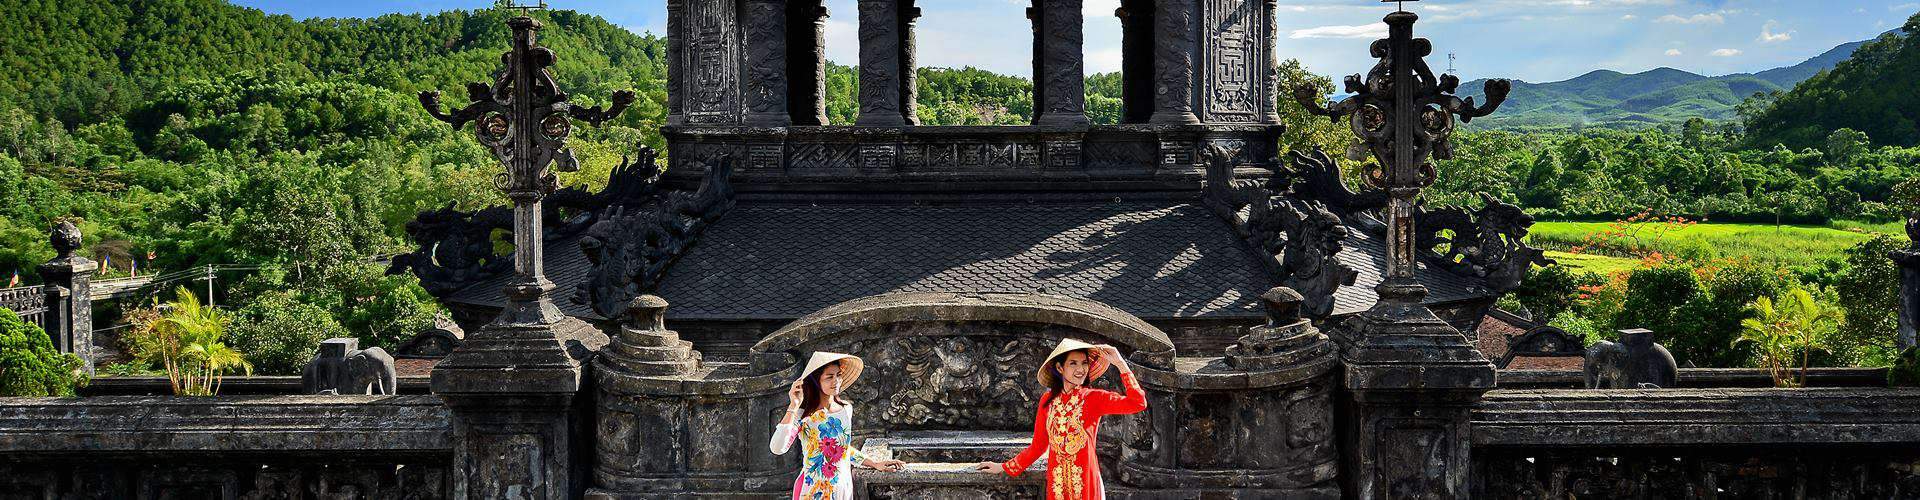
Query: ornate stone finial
1404 115
65 238
647 312
1283 306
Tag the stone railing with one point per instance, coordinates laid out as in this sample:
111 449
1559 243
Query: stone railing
225 447
30 302
1697 443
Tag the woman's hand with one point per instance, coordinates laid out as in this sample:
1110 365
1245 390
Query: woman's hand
793 401
1112 354
990 468
888 465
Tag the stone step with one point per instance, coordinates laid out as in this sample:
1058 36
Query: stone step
950 446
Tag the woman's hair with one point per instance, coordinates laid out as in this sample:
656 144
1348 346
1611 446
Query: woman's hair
810 400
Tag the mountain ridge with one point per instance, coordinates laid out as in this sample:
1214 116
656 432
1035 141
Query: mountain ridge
1610 98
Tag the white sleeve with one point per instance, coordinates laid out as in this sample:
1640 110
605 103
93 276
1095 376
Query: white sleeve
783 437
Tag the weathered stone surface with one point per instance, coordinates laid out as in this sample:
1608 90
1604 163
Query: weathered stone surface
68 316
1909 262
303 424
1696 417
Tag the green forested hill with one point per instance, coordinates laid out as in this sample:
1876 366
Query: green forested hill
1612 99
1873 92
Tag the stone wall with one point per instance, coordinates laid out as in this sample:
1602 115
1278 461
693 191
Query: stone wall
1697 443
226 447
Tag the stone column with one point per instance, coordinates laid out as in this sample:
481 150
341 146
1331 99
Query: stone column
1136 60
1175 42
1909 261
1059 81
1270 77
807 62
676 61
886 64
69 278
766 63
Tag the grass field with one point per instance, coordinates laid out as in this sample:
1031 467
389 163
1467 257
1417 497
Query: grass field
1788 245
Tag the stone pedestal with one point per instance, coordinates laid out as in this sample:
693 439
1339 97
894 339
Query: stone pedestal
1410 382
1257 423
511 388
669 427
1060 88
69 278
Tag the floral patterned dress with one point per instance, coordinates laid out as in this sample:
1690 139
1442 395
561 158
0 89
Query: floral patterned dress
1065 430
826 470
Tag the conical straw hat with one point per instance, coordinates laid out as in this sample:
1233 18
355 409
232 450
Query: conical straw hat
849 370
1099 367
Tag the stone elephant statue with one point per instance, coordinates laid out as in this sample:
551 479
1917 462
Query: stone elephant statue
1636 362
341 367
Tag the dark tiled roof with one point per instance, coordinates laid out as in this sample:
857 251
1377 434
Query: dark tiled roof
1151 259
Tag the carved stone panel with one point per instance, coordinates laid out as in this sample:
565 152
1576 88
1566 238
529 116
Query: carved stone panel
713 54
1233 55
766 83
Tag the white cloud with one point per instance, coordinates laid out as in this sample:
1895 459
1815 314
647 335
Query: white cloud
1376 30
1628 17
1768 36
1694 19
1904 7
1726 52
1673 52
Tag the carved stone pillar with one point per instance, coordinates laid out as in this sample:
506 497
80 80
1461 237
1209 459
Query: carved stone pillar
1175 40
710 80
676 61
1909 261
807 62
766 63
1136 60
1059 79
886 63
1233 76
1270 76
69 278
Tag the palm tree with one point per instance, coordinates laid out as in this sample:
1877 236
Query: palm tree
187 338
1795 323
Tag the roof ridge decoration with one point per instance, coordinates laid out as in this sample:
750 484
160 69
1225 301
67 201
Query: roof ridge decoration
1298 238
455 248
632 243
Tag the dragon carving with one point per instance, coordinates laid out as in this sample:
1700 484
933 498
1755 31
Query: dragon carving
1300 237
631 244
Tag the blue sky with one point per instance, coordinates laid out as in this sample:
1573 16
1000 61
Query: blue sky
1533 40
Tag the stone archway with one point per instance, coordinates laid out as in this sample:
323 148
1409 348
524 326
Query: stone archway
949 361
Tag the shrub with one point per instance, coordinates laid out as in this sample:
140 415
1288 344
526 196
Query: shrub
29 366
280 334
1786 333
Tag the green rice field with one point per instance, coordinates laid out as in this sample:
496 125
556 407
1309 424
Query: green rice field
1789 245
